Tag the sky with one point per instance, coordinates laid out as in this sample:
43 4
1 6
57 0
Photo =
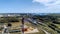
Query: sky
29 6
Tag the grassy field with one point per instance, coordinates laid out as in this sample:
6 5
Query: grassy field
16 25
40 27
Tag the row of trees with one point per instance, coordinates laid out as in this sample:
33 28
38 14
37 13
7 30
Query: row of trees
8 19
47 18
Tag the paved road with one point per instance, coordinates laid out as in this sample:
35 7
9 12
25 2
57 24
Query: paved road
46 32
35 23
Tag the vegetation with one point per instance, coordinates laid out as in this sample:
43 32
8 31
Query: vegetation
51 21
8 19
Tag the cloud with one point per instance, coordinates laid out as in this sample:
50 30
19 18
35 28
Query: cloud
48 2
50 6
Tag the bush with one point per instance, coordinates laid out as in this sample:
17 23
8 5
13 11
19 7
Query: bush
11 19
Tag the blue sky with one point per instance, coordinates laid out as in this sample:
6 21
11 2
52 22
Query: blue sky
29 6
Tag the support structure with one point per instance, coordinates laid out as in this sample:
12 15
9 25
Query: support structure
5 30
22 25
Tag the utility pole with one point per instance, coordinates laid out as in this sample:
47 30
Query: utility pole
22 25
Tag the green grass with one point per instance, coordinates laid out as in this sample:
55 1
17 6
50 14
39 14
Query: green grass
42 27
58 25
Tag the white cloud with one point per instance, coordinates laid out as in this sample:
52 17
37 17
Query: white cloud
48 2
43 1
53 6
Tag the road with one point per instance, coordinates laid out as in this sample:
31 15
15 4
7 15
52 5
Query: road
35 23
